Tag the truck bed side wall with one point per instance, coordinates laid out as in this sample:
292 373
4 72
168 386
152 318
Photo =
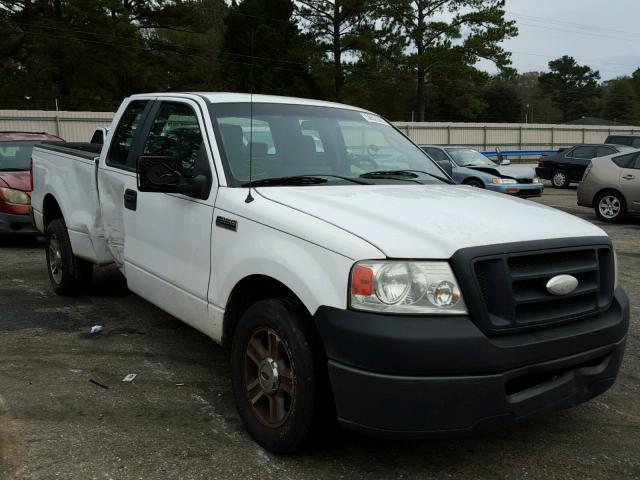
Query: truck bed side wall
71 180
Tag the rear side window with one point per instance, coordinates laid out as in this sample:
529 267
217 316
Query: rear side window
125 133
604 151
626 161
583 152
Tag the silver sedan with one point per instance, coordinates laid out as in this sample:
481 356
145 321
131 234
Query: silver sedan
611 185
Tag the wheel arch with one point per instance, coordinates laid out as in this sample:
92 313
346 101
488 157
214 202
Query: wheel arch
602 191
248 291
51 210
468 180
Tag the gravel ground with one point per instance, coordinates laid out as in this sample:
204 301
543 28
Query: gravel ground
56 424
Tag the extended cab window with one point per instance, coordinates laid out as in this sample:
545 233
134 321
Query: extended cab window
125 133
175 133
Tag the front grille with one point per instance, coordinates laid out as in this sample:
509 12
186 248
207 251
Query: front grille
524 180
513 293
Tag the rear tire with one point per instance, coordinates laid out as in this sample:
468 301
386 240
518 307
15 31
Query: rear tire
69 275
560 179
276 374
611 207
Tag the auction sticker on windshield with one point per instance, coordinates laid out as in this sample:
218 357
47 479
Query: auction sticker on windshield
370 117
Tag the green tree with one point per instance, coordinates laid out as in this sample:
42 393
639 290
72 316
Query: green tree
620 101
342 29
432 29
574 88
503 103
264 50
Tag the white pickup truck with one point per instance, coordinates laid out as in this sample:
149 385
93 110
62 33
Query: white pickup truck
341 265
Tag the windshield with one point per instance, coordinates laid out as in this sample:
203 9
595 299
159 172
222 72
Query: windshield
298 140
468 157
15 156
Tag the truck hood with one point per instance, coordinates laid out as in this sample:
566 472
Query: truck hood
507 171
17 180
430 221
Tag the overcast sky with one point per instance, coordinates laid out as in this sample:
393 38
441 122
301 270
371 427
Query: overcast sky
604 34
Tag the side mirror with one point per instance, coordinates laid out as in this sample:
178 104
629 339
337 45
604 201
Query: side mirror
165 174
446 166
502 160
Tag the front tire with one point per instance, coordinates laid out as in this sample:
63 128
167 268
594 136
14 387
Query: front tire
474 182
560 179
611 207
275 374
69 275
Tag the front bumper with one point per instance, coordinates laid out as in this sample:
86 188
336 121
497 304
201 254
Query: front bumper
523 190
16 224
411 376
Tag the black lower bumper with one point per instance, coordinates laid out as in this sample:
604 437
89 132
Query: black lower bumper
397 376
16 224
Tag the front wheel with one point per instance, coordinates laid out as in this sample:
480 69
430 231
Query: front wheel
275 374
69 275
474 183
611 207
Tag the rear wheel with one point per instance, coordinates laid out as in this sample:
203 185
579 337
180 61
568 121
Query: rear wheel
611 207
560 179
275 374
69 275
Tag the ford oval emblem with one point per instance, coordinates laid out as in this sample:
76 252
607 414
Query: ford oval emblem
562 285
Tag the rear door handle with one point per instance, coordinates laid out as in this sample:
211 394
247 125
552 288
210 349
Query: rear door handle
628 177
130 199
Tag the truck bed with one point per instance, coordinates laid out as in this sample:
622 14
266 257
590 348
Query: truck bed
68 173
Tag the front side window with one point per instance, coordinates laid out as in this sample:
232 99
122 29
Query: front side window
175 133
297 140
625 161
125 132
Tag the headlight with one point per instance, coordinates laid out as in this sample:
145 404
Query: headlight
405 287
536 180
11 195
503 181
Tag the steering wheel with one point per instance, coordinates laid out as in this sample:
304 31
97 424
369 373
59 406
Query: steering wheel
373 150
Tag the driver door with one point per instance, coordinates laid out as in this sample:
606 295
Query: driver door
167 247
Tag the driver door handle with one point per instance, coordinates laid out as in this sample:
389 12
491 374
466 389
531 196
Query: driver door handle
628 177
130 199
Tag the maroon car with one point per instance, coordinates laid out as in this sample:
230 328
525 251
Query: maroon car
15 180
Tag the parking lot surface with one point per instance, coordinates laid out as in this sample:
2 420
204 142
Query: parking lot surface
176 419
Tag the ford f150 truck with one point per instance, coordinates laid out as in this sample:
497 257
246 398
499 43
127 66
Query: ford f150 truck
344 269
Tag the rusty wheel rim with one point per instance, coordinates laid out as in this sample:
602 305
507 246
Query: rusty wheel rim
269 377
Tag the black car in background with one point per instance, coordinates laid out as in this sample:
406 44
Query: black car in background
568 165
629 140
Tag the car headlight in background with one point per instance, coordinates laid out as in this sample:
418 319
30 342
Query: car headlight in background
503 181
536 180
405 287
11 195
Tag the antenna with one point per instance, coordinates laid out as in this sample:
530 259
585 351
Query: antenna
249 198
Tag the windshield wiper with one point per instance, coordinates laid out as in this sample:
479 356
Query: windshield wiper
299 180
409 175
